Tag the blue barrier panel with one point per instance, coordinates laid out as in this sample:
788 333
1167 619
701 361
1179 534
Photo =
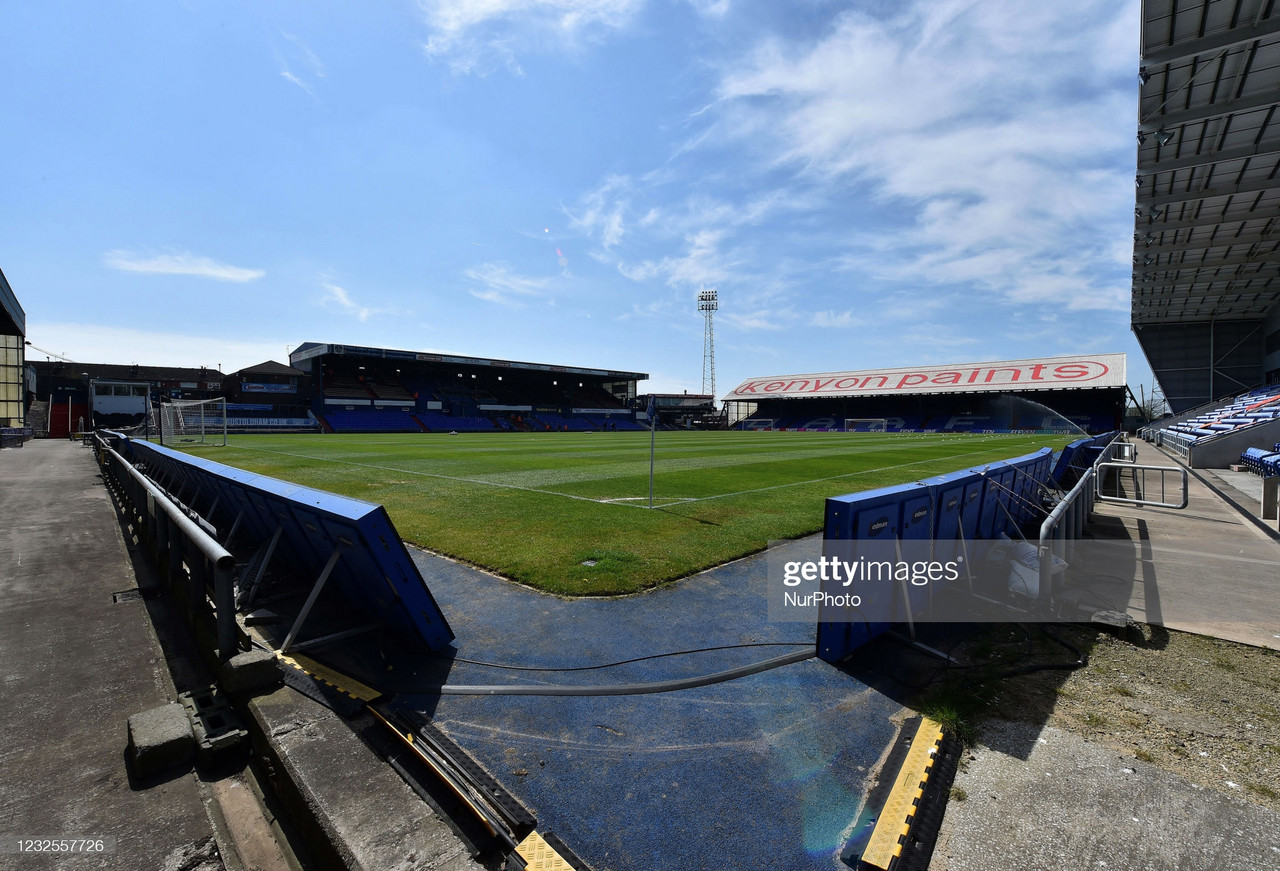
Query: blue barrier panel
1078 456
955 511
883 515
958 500
373 571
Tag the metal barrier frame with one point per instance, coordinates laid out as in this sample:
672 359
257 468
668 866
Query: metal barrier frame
1059 530
176 541
1141 485
303 528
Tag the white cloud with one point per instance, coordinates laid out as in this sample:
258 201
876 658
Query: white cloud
995 123
337 298
710 8
834 319
600 213
179 264
95 343
759 319
472 35
290 77
702 263
296 56
500 285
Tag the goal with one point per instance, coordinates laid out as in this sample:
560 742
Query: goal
866 424
190 422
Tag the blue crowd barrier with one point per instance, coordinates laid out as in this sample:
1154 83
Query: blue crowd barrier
957 512
1078 456
373 569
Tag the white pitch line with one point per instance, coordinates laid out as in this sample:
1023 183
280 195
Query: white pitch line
668 501
498 484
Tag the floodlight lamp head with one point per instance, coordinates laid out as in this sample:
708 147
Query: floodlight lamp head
1143 75
1164 137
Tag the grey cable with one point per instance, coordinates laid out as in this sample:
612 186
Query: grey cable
630 689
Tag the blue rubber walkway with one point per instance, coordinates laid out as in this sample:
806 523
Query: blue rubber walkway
765 771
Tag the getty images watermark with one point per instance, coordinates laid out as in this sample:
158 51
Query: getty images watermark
835 581
1003 580
838 577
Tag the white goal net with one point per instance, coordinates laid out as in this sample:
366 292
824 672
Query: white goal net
190 422
866 424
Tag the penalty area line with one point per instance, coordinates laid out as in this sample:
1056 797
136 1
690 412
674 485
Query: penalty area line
438 476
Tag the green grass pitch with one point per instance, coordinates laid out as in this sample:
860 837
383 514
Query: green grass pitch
536 507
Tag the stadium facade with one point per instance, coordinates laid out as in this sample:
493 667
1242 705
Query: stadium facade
1047 394
13 329
75 396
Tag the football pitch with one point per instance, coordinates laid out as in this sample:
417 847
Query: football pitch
568 512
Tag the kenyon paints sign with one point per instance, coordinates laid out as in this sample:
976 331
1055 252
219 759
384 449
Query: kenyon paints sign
1097 370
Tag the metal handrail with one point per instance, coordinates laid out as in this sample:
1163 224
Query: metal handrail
1071 514
1140 485
171 530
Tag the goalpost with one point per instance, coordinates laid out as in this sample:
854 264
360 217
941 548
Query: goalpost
191 422
866 424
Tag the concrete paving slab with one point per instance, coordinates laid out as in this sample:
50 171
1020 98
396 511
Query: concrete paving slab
75 667
1207 569
1075 804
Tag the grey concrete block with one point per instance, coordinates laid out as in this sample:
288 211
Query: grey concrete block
160 739
219 735
256 671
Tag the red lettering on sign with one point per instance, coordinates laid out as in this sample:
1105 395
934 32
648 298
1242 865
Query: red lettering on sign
1017 375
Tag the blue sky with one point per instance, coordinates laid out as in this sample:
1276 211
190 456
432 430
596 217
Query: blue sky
865 184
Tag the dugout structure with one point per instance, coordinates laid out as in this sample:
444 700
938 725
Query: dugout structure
364 389
1052 394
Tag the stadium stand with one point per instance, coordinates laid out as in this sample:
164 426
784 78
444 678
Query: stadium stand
436 422
387 420
1215 435
1261 460
371 389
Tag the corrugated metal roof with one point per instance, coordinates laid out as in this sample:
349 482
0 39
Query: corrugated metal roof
1207 217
